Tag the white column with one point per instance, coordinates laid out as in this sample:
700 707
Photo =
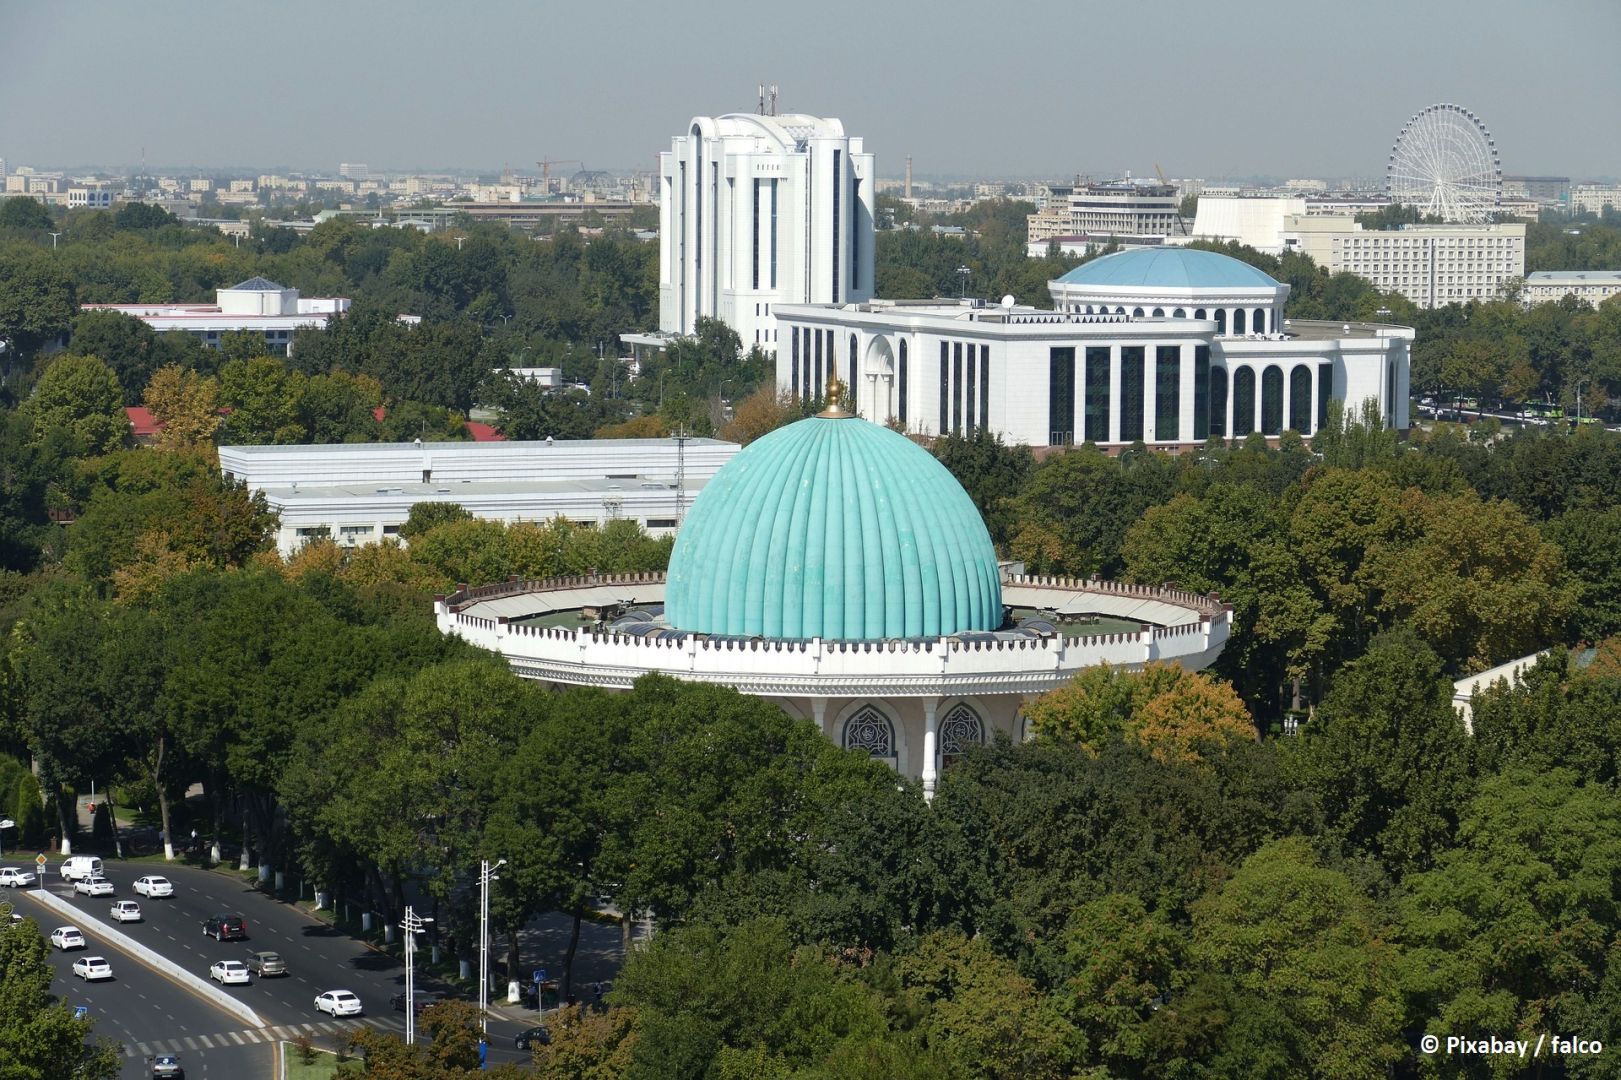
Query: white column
931 730
1151 394
1189 384
1260 393
1114 394
1227 406
819 713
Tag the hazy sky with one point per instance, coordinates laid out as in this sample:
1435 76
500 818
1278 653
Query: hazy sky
1241 87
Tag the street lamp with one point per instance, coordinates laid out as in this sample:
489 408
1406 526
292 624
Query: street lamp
413 924
963 272
5 823
486 874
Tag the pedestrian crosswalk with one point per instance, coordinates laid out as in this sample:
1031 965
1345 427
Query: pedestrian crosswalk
250 1036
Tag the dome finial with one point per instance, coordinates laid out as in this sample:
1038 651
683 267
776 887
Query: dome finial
835 409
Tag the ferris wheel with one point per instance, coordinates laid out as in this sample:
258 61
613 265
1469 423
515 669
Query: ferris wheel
1445 163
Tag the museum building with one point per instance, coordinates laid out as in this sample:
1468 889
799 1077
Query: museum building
836 568
1167 346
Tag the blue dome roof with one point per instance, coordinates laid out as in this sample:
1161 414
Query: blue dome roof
1170 268
833 527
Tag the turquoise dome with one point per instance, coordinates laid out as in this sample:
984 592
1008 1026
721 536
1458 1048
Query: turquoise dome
1170 268
833 527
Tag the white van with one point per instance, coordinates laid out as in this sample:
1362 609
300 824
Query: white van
78 867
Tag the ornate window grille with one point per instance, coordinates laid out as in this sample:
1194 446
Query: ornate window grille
870 730
959 731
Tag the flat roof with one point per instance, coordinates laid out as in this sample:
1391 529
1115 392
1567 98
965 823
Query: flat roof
1574 277
475 488
508 446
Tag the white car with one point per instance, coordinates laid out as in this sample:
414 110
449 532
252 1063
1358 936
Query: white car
13 878
93 886
67 937
338 1003
153 885
228 972
126 911
92 967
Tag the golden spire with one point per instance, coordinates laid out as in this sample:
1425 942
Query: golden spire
835 409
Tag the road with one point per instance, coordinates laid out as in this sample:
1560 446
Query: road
318 958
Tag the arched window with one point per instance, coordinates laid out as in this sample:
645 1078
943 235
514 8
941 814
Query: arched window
1238 320
870 730
855 376
1243 402
1122 311
1300 399
1180 313
1198 313
900 386
1272 401
1137 313
1221 320
1218 401
1258 323
960 731
1159 313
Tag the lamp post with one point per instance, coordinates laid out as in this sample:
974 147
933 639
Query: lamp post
963 272
486 874
413 924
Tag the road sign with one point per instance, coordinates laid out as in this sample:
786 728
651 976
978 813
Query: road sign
80 1012
39 860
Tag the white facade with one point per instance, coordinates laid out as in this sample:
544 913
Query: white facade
256 304
1593 287
362 492
756 211
1259 223
1593 198
1431 265
1125 209
1165 372
915 704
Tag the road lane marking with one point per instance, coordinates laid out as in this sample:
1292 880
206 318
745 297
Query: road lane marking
239 1040
205 1041
191 1044
143 1049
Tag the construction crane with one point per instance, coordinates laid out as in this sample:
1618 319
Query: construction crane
546 170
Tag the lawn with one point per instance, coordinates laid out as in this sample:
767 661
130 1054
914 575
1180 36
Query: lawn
324 1066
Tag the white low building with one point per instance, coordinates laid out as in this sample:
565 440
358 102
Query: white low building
1168 346
1592 287
257 305
358 493
1431 265
836 569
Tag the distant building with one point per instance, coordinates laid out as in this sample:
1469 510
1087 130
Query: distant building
1167 345
358 493
1543 189
1259 223
1431 265
256 304
1132 210
351 171
90 197
757 211
1594 198
1590 286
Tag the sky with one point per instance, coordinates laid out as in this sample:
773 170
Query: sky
1034 89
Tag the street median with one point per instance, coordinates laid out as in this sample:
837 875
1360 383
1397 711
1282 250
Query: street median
150 957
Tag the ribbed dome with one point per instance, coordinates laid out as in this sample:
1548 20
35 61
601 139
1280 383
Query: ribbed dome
1172 268
833 528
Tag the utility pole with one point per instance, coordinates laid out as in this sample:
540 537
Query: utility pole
486 874
54 235
413 924
681 437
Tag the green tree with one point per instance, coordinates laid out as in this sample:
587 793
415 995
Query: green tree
992 473
429 515
25 212
39 1036
80 394
262 396
124 343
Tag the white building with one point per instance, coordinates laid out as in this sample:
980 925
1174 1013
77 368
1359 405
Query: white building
257 304
90 197
1258 222
835 569
1126 213
1169 346
1593 287
357 493
757 211
1593 198
1431 265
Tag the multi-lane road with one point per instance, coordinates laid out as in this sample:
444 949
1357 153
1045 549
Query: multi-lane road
149 1013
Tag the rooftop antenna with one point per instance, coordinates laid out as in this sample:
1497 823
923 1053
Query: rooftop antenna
773 99
759 89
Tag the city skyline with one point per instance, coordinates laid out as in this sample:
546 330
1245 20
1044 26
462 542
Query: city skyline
1250 89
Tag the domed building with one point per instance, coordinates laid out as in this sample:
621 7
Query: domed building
837 569
1168 346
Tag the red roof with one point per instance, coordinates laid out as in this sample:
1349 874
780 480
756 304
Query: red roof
379 413
484 432
142 420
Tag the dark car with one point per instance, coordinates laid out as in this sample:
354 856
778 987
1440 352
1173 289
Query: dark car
225 927
534 1036
424 998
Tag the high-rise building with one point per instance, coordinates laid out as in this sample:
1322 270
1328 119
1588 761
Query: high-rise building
350 171
759 210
